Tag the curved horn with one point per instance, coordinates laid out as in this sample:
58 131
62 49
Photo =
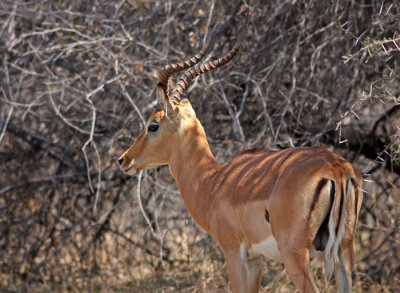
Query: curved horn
172 69
191 74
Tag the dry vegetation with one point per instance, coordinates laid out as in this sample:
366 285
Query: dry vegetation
77 80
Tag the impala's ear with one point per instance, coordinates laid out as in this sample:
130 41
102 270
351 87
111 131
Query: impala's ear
163 101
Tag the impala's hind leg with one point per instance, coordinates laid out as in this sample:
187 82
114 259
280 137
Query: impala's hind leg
343 273
297 264
346 256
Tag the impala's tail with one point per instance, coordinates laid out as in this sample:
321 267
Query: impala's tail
336 225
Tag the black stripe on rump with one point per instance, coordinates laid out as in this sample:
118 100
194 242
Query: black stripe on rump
355 185
356 195
317 192
322 237
341 206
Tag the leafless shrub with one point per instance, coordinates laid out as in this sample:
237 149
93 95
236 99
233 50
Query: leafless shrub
77 81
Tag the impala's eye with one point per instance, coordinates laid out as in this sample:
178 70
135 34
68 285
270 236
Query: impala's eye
153 127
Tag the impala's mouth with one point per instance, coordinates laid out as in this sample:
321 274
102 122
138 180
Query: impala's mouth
131 170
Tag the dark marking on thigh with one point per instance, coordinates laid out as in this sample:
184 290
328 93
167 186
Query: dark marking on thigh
317 193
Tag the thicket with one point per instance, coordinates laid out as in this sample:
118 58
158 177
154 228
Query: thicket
77 82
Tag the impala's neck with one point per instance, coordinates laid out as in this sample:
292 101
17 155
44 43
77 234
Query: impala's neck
195 169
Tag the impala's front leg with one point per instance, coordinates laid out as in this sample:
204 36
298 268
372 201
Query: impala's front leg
237 271
254 267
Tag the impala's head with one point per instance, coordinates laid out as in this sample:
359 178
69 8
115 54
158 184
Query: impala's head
160 138
155 144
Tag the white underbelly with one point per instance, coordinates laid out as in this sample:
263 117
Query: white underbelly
268 248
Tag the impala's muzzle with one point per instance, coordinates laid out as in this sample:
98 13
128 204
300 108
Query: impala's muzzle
127 166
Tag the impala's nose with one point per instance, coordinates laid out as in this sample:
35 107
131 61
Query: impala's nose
120 160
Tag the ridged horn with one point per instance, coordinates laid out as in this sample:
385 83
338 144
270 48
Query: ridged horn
192 73
172 69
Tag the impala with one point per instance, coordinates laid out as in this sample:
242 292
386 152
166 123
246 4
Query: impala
286 205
